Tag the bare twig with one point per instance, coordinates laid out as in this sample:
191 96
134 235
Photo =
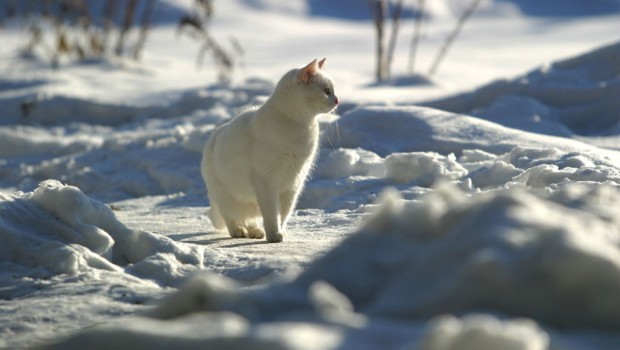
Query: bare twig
393 36
378 9
144 28
455 32
417 33
77 36
197 24
109 9
130 9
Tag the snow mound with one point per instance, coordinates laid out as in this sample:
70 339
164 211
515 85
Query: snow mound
579 93
59 230
482 332
24 140
551 258
56 110
203 331
424 167
413 148
385 130
540 168
538 259
344 162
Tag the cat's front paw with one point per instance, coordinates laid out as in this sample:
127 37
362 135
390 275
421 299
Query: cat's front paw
275 237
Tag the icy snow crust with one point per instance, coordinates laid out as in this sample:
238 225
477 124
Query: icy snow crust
478 221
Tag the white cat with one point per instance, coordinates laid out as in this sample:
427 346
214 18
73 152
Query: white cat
255 165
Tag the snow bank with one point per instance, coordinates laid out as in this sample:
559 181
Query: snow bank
553 259
57 110
385 130
57 229
579 93
351 178
29 141
542 259
413 148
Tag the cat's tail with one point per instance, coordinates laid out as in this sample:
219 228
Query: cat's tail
216 218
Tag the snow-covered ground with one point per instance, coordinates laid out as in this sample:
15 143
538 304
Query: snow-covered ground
478 212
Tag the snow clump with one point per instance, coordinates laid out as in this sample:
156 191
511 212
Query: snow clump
482 332
60 230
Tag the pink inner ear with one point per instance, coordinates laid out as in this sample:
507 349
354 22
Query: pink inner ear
322 62
306 72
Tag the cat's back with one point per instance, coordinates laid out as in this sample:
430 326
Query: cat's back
231 134
240 121
225 157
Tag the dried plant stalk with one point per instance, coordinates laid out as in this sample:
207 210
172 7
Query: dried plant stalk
196 25
453 35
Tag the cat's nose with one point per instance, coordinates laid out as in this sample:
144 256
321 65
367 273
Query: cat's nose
335 100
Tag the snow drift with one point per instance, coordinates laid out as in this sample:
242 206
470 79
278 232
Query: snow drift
553 258
414 148
538 260
56 229
385 130
579 93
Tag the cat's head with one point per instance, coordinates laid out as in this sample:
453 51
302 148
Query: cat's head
316 87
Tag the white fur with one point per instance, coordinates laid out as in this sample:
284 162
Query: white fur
255 165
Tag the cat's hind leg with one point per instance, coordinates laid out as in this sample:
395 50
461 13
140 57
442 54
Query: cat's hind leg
239 229
216 218
255 230
240 219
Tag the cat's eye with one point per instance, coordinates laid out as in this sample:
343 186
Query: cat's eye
327 92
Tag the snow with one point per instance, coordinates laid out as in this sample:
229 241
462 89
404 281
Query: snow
73 233
425 168
483 332
475 210
567 92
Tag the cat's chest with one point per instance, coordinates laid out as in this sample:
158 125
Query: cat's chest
296 146
287 149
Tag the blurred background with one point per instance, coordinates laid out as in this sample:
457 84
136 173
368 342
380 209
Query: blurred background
440 45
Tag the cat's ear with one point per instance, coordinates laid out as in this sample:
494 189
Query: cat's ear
306 72
322 62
